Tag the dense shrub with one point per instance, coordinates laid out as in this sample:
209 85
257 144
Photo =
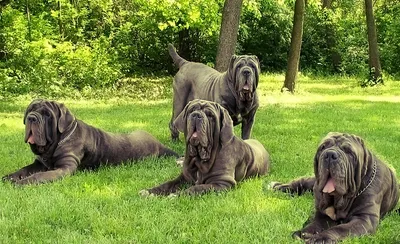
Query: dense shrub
92 44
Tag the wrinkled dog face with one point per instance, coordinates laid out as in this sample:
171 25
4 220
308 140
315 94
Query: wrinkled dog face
338 161
38 127
43 120
246 73
206 125
200 130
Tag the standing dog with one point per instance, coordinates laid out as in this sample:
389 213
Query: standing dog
215 159
353 190
62 144
234 89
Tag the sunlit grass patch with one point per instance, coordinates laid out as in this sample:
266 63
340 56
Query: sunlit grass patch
103 206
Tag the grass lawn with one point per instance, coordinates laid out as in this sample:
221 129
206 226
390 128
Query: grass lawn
103 206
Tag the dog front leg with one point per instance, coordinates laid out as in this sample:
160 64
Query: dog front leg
313 226
295 187
204 188
166 188
247 123
26 171
61 169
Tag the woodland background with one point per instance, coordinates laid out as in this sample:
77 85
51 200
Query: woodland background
47 47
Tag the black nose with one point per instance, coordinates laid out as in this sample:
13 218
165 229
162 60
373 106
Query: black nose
196 116
32 119
246 72
332 155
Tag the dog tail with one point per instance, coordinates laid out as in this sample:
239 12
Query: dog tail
178 60
168 152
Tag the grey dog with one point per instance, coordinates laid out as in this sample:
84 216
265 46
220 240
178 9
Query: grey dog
215 159
234 89
353 190
62 144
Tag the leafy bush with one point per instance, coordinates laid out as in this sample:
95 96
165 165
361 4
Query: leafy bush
45 67
93 44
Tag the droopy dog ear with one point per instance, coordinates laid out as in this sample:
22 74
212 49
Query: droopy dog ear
226 125
180 121
231 68
232 61
66 117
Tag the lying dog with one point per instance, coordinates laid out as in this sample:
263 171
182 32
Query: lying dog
215 159
63 144
353 190
234 89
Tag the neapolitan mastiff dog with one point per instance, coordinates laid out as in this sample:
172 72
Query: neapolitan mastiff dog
215 159
234 89
62 144
353 190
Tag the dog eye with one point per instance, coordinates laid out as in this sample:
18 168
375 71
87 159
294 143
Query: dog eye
46 113
347 149
209 114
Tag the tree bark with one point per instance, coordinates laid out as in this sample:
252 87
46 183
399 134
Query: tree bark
3 3
184 44
327 4
295 47
28 17
3 53
374 62
228 33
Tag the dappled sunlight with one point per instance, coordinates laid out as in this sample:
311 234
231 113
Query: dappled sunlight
103 191
397 122
11 122
297 99
324 86
311 90
134 124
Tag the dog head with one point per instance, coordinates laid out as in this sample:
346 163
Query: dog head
340 164
44 121
244 71
206 125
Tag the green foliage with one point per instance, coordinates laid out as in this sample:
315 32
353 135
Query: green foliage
389 36
265 31
45 67
85 44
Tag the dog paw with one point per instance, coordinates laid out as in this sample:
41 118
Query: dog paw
273 185
296 235
12 178
320 239
172 195
145 193
179 161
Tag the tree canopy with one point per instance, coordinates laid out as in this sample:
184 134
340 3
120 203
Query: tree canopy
93 43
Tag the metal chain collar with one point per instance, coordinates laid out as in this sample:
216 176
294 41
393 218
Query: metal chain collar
69 135
370 180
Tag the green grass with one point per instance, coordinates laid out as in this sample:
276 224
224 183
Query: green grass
104 206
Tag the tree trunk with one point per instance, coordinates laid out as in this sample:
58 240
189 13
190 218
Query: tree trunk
184 44
228 33
327 4
295 47
374 63
28 17
3 4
